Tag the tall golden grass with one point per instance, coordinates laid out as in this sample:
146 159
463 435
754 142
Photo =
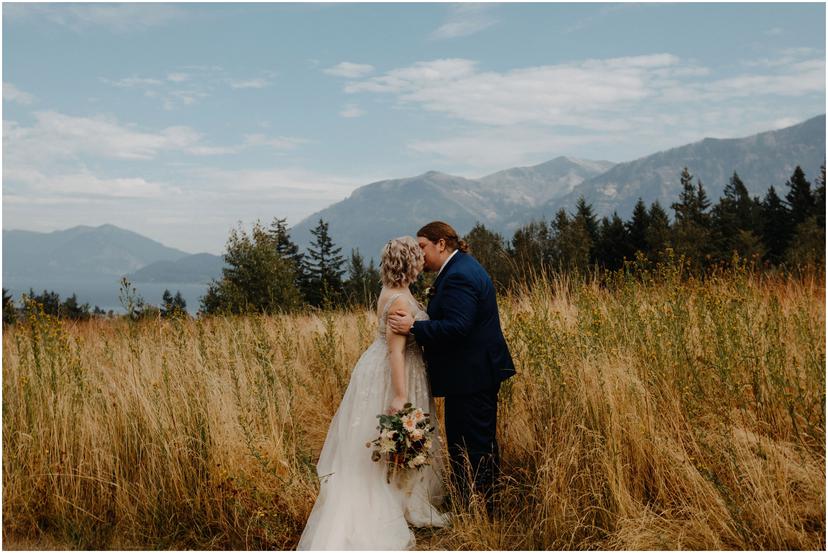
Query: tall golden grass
650 411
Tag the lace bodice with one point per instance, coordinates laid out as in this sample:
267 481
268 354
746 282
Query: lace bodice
419 315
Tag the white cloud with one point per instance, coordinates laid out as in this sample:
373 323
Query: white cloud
14 94
118 18
132 82
351 111
554 94
277 143
589 94
84 184
201 81
57 138
272 185
464 20
350 70
250 83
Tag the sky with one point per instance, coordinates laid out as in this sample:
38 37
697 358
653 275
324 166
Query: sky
180 121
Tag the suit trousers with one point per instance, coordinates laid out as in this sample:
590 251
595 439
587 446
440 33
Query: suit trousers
471 430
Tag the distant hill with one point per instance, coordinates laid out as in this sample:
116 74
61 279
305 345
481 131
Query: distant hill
761 160
382 210
80 253
196 268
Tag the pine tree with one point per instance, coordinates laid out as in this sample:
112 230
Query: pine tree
799 198
614 243
637 227
692 232
659 232
323 267
173 306
71 309
288 249
50 301
571 243
584 213
363 285
819 198
531 248
9 310
776 230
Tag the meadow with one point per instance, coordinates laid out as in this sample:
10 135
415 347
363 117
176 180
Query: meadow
651 410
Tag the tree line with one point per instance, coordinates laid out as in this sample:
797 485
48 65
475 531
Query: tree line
266 272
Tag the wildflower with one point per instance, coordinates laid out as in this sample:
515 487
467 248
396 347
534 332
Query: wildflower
408 423
417 435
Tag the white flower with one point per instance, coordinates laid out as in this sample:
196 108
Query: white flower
419 460
427 444
387 446
419 415
408 423
390 434
417 435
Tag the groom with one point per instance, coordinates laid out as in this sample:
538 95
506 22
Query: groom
465 352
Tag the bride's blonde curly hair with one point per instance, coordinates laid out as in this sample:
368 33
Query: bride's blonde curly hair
401 261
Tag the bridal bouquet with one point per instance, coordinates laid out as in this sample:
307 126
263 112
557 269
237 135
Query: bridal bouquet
404 439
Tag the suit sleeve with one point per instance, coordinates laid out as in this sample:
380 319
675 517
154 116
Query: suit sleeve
459 314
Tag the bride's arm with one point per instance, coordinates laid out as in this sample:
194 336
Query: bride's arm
396 356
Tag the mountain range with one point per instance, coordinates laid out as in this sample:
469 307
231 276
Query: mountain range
378 211
505 200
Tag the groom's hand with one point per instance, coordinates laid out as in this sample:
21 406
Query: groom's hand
400 322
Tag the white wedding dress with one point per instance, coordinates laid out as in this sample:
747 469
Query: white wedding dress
356 507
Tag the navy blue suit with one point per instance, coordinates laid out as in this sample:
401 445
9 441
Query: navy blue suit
467 358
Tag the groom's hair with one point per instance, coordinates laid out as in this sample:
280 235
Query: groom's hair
437 230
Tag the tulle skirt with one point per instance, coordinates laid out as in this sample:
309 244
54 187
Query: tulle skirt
356 507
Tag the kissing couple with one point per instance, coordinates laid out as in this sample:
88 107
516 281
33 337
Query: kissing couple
453 348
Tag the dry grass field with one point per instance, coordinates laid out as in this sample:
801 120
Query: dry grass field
649 412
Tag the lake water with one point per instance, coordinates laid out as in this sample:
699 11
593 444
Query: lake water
105 294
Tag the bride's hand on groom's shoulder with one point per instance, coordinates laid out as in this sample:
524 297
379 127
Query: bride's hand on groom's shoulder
400 322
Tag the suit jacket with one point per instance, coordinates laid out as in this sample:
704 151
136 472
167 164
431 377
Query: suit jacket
463 344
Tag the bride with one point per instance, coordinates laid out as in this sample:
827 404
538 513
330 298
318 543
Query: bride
356 507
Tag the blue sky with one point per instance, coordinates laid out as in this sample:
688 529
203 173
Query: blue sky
178 120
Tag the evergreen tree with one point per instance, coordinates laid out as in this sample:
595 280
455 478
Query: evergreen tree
323 267
173 306
489 249
531 248
692 235
288 249
776 230
637 228
572 243
584 212
71 309
819 197
799 198
9 310
659 232
363 285
257 279
50 301
614 243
